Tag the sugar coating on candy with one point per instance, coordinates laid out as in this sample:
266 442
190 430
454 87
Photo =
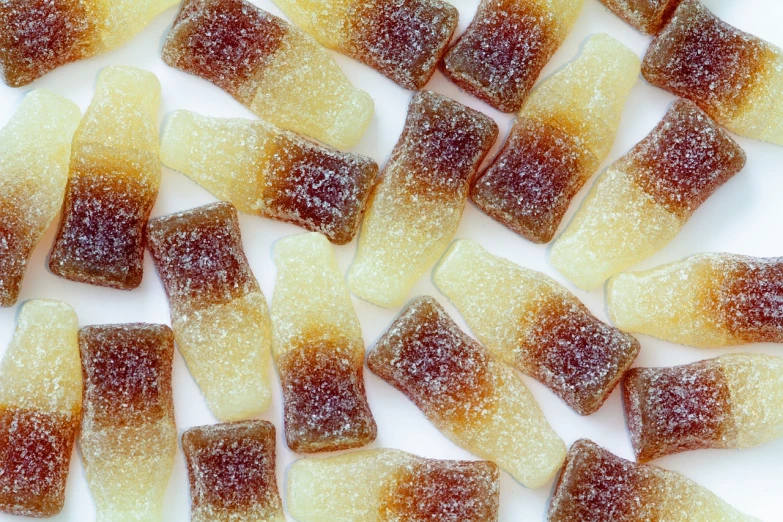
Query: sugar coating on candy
735 77
707 300
273 173
534 324
598 486
391 485
318 345
218 313
500 55
37 36
114 178
647 196
563 133
40 408
417 205
474 399
269 66
231 468
648 16
35 149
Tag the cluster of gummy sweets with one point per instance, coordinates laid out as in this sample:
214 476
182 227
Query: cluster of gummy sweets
110 386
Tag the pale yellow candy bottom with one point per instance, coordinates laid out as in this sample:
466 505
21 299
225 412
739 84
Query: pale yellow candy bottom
761 117
119 20
685 501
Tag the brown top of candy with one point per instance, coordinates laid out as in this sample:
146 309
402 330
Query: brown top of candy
750 301
648 16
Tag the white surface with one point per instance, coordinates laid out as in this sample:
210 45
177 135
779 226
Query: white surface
742 217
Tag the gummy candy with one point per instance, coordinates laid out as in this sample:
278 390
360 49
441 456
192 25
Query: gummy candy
218 312
733 401
642 201
318 345
500 55
40 408
114 177
35 148
733 76
648 16
128 436
416 208
231 468
272 173
563 133
707 300
37 36
476 401
531 322
401 39
387 484
271 67
598 486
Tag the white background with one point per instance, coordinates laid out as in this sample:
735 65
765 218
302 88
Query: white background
742 217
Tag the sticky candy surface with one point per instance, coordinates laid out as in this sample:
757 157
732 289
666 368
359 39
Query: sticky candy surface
218 312
563 133
502 52
35 148
642 201
416 207
114 177
40 408
231 468
271 67
475 400
391 485
531 322
272 173
733 76
648 16
598 486
128 436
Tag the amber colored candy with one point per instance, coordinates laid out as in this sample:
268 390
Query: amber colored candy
273 173
598 486
391 485
735 77
35 148
643 200
417 205
318 345
114 178
269 66
563 133
218 312
475 400
40 408
500 55
231 468
128 436
647 16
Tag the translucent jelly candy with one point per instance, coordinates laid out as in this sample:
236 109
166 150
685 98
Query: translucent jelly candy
231 468
40 408
218 312
272 173
271 67
644 199
318 345
128 437
401 39
35 148
37 36
707 300
386 484
416 208
735 77
502 52
476 401
113 184
648 16
598 486
733 401
564 132
531 322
